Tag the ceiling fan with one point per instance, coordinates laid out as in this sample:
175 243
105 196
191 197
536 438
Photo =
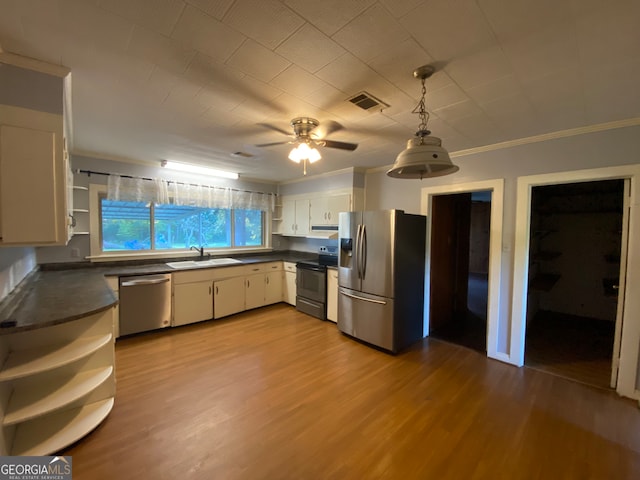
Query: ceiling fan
307 136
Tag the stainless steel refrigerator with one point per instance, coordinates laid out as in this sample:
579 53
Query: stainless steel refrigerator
381 277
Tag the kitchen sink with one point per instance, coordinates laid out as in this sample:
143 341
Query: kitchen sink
212 262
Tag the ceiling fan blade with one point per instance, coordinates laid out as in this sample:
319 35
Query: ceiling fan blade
273 127
340 145
271 144
326 128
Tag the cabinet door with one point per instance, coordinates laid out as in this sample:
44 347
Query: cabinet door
28 189
255 289
318 211
289 288
288 223
228 297
273 287
192 302
332 294
335 205
302 217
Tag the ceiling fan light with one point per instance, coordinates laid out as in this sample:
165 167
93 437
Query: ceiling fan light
423 159
314 155
294 155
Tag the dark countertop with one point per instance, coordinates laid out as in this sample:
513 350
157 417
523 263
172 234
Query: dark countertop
56 293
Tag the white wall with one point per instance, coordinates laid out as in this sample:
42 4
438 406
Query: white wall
593 150
15 264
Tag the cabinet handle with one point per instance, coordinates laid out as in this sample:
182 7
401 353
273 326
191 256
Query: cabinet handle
329 215
248 283
216 289
267 280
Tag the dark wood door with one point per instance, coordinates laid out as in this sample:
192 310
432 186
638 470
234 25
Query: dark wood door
450 226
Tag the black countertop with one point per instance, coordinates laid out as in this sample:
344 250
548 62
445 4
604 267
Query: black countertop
56 294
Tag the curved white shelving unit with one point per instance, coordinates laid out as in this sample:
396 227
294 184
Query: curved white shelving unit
33 402
80 210
54 432
80 187
57 384
30 362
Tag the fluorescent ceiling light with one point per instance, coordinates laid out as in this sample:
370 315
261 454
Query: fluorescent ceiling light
190 168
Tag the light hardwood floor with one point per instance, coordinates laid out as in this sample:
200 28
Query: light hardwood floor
275 394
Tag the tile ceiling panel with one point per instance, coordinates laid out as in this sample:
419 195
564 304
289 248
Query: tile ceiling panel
216 8
159 15
370 32
310 49
207 35
193 78
163 51
268 22
329 16
517 18
297 82
257 61
449 28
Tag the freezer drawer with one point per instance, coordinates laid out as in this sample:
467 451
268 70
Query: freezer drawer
366 317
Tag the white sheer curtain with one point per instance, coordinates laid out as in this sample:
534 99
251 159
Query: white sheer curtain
161 191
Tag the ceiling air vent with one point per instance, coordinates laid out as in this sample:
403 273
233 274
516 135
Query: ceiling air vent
241 155
366 101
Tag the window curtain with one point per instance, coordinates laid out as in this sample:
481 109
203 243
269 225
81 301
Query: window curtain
160 191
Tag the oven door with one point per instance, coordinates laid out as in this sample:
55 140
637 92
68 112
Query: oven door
311 282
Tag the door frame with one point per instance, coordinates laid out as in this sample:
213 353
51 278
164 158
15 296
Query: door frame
496 187
630 344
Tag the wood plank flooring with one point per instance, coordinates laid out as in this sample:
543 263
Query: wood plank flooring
275 394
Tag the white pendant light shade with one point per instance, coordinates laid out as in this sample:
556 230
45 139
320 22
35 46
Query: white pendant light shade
304 152
424 157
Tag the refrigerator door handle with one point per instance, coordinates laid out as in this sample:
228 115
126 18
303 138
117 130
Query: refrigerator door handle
364 250
350 295
358 234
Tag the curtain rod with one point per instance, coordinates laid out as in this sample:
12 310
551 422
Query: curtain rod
93 172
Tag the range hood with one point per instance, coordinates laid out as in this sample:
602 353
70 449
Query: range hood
327 232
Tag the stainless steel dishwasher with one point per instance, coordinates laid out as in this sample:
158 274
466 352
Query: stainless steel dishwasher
145 303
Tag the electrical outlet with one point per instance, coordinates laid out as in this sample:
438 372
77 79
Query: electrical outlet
75 253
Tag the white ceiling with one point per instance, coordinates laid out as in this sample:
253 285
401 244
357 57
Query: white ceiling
190 80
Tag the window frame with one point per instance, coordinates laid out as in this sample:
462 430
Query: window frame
98 192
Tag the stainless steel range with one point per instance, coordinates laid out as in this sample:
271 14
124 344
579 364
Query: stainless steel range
311 283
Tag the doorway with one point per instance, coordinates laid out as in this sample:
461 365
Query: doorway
575 245
460 247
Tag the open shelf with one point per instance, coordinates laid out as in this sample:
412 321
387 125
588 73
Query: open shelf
544 282
545 256
80 187
23 363
81 233
52 433
80 210
38 400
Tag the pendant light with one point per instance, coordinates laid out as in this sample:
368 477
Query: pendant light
424 156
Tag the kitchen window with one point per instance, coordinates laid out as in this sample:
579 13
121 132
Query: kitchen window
148 227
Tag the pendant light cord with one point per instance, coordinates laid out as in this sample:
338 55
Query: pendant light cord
421 110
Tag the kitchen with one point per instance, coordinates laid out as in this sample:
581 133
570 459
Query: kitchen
608 149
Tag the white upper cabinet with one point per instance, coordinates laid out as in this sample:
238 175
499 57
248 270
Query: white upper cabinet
34 165
324 210
295 217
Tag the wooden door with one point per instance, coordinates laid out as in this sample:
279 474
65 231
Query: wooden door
450 225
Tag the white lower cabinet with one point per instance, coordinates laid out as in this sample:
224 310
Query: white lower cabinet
332 294
289 284
254 291
192 302
228 296
273 287
57 384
